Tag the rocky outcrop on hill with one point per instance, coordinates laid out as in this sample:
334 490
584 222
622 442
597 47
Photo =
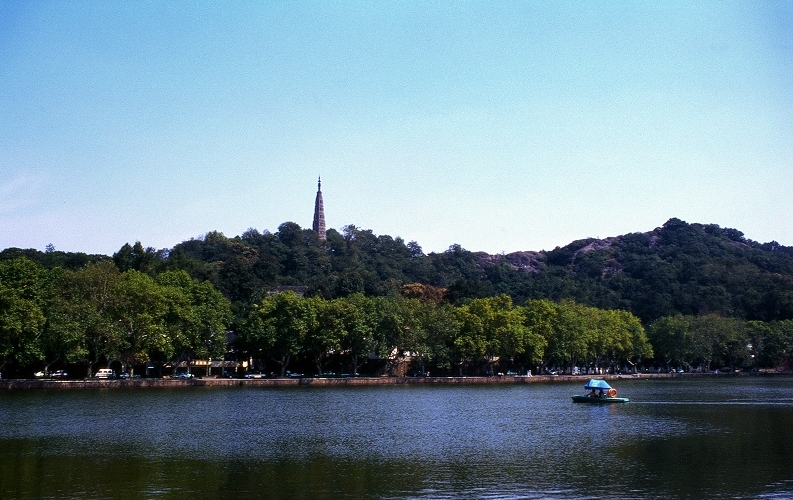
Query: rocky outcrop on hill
532 262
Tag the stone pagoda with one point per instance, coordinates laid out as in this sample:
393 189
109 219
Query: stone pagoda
319 212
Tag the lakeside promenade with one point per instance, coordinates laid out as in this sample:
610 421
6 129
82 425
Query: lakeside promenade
142 383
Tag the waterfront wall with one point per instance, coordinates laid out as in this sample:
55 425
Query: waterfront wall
142 383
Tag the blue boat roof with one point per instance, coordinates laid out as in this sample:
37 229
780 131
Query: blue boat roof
597 384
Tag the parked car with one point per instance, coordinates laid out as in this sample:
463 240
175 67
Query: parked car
184 375
293 374
40 374
105 373
254 375
59 374
123 375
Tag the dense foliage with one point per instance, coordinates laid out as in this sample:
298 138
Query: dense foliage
481 337
727 301
100 314
680 268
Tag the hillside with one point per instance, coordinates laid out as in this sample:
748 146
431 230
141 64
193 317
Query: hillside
677 268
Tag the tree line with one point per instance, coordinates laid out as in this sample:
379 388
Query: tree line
98 313
702 273
678 268
698 343
484 336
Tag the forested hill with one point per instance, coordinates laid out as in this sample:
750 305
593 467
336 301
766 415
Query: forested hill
677 268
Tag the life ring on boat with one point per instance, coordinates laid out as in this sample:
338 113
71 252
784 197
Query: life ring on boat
612 393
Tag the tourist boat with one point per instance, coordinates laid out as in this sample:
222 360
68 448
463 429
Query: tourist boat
600 392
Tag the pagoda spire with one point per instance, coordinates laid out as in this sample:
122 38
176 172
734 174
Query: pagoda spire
319 212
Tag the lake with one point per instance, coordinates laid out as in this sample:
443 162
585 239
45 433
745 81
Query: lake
729 437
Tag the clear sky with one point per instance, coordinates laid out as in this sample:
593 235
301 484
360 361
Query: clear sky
497 125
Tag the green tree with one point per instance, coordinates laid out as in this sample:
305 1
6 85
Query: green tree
706 334
29 280
63 337
641 348
626 337
140 308
443 328
197 318
325 337
360 339
86 299
469 344
772 343
392 323
279 326
491 329
760 350
671 338
782 344
571 335
540 317
732 343
137 258
21 325
414 336
24 287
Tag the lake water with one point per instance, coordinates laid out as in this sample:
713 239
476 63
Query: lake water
680 438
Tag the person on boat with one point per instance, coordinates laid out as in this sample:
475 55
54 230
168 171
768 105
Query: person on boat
600 394
592 393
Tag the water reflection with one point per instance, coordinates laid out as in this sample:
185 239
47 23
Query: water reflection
719 439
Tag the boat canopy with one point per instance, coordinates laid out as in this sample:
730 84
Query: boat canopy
597 384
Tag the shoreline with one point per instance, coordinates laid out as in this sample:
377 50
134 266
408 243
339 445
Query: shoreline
144 383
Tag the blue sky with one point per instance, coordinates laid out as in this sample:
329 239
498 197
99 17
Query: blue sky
499 126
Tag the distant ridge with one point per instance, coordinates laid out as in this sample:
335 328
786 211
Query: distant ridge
677 268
